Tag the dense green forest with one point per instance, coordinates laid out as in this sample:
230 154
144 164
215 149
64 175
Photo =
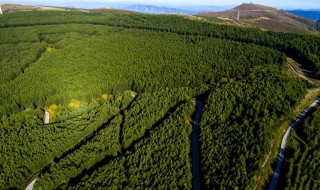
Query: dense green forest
159 161
123 86
145 112
27 145
120 65
301 167
305 47
238 126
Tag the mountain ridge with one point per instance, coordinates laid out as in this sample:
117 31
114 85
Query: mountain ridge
313 14
157 8
265 18
245 15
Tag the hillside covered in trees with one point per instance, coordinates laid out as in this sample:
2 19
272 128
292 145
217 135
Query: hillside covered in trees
121 91
302 161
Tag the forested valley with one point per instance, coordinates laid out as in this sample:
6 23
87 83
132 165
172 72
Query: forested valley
121 91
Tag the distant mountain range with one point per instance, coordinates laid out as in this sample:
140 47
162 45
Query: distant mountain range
171 10
246 15
144 8
311 14
154 9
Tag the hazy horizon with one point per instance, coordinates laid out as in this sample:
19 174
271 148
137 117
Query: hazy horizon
284 4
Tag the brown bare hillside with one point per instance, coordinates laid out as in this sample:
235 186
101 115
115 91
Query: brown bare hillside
6 8
111 10
16 7
265 18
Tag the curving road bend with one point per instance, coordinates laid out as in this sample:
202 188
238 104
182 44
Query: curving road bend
30 186
195 148
283 145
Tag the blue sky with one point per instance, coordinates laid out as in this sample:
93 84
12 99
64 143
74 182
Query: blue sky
283 4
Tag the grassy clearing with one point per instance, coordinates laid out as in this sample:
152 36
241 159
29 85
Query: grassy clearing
295 65
296 69
221 21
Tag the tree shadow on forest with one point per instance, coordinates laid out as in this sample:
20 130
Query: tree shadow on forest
75 180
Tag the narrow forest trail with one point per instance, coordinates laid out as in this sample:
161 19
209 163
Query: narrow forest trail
195 148
298 74
281 157
75 180
295 68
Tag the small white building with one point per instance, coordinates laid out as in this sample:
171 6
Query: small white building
47 118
